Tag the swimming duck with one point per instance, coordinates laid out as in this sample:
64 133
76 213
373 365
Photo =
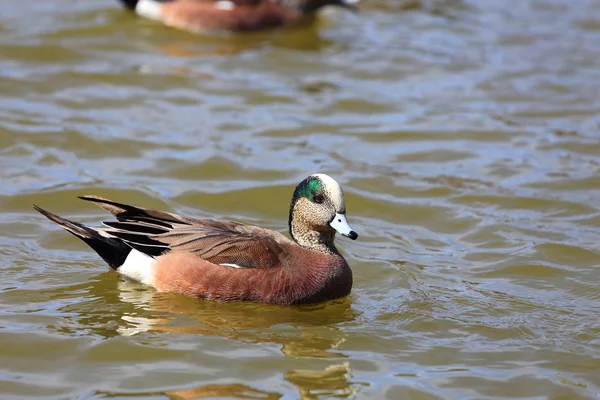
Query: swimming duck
230 15
225 260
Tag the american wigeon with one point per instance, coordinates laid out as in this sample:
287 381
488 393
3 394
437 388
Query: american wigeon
230 15
226 260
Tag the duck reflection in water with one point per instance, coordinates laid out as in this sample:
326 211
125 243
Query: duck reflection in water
302 331
332 381
253 323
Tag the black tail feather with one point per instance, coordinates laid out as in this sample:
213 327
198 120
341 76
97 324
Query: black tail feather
112 250
127 213
130 4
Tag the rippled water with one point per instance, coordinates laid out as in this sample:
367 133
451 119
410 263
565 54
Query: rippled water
466 136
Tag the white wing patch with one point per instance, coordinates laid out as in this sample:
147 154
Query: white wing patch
225 5
231 265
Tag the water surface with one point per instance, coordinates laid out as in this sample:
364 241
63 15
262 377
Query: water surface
466 137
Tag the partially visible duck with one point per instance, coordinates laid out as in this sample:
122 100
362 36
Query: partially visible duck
230 15
226 260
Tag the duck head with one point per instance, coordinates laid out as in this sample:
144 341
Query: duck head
317 212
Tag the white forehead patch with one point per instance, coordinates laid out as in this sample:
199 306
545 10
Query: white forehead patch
334 191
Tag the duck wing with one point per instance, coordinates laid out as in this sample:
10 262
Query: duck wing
221 242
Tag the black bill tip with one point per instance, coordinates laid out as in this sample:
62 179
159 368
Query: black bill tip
352 235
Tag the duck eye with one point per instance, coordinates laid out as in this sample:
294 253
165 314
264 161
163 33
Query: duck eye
319 198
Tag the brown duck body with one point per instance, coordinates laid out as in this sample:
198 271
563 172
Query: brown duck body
203 16
229 15
309 278
212 259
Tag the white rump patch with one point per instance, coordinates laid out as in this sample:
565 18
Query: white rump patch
138 266
149 9
231 265
225 5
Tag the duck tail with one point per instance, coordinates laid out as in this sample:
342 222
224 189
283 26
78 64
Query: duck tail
112 250
151 9
129 4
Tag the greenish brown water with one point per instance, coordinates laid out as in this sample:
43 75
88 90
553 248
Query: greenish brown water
466 136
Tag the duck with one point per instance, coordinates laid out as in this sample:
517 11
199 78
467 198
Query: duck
223 260
201 16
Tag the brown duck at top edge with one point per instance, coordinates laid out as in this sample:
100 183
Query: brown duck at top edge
230 15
